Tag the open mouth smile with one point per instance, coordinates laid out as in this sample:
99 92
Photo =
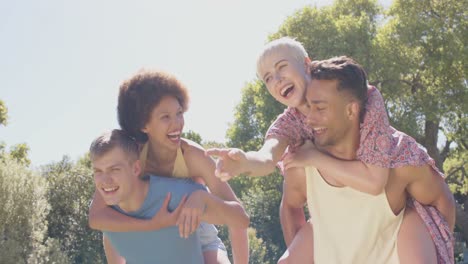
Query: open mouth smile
286 90
174 136
110 190
319 131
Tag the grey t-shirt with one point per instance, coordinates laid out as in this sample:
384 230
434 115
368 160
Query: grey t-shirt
163 245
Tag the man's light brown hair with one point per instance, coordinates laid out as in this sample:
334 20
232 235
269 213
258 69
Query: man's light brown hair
114 139
351 77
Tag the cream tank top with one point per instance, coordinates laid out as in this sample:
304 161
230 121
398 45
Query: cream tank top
351 226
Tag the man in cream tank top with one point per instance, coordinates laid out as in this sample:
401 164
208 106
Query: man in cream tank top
356 217
363 230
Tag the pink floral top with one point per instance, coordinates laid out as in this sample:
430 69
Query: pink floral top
380 145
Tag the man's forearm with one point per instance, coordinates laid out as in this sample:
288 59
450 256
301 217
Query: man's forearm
292 219
240 245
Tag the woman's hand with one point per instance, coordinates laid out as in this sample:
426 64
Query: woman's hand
163 218
192 211
301 157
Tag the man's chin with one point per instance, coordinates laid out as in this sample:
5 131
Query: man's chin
111 202
320 144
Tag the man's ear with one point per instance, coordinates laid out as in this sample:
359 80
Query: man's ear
137 167
353 110
307 63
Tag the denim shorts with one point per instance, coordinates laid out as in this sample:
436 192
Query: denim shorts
209 239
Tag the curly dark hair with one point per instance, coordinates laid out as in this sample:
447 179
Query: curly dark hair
140 94
350 75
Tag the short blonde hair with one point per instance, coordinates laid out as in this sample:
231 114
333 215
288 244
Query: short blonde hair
288 44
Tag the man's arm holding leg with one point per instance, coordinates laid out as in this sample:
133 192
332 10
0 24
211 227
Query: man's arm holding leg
292 215
428 188
112 255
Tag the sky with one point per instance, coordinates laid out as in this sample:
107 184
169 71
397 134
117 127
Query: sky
61 63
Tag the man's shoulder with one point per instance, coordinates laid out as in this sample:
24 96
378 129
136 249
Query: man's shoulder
161 182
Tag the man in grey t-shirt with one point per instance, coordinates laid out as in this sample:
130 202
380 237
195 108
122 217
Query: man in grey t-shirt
114 157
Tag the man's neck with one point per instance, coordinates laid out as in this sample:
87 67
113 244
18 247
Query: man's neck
346 148
136 197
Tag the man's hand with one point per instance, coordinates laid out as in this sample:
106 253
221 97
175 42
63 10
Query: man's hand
302 157
192 211
163 218
230 162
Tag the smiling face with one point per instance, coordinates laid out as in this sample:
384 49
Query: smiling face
116 177
139 97
166 123
333 114
285 77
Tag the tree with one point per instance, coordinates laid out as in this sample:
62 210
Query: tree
253 116
192 135
71 189
262 200
23 223
212 144
257 248
3 113
344 28
19 152
456 167
421 72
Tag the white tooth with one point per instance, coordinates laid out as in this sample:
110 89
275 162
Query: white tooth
282 91
174 134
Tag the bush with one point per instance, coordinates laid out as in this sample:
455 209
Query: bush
23 212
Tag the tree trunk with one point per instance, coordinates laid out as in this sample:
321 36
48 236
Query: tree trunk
462 221
431 132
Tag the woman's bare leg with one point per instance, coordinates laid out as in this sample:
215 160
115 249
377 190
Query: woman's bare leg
215 257
301 249
415 244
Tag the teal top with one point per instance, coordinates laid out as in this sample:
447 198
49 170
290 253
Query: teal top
163 245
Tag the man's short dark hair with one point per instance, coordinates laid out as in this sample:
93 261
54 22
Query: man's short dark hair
140 94
112 139
350 75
